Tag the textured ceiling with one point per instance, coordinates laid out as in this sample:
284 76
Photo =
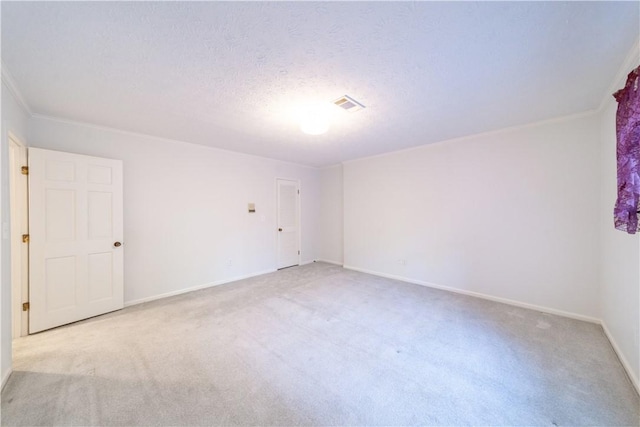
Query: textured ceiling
233 75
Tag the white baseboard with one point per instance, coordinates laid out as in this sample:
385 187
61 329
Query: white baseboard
329 261
195 288
306 262
623 360
625 363
480 295
5 378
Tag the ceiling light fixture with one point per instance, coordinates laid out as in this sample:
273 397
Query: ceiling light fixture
315 120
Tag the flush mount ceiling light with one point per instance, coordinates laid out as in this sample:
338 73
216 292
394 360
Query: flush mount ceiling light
315 120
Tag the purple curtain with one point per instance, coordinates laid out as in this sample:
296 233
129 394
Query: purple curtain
626 210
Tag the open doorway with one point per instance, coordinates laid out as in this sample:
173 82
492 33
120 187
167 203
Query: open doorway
19 217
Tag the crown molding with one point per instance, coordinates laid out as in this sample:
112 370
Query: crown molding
631 61
9 81
501 131
148 136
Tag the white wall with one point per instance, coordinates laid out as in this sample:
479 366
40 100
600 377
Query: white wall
14 120
331 209
512 215
620 268
185 212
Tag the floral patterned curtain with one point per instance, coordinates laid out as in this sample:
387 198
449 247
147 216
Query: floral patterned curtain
628 152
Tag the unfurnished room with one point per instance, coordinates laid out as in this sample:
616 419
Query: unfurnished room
283 213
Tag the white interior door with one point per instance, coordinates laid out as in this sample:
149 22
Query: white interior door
288 223
76 230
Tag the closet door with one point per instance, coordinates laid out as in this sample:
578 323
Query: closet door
288 223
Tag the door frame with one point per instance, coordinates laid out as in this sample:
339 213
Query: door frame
299 209
19 219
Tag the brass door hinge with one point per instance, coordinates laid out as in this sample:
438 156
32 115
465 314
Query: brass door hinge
25 170
25 238
25 306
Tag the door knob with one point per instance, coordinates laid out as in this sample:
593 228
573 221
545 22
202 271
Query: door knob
117 244
279 229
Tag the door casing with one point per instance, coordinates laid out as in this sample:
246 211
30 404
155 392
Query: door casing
19 214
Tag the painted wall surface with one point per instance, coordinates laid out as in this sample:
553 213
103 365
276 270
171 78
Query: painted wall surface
620 268
512 214
331 208
185 207
14 120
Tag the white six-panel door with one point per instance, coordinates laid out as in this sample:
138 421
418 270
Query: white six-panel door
288 226
76 231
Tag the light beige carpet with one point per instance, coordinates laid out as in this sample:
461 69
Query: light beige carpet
325 346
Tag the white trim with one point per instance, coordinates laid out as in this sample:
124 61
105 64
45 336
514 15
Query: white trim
329 261
19 218
623 360
307 262
5 378
159 138
630 61
195 288
500 131
625 363
10 82
624 69
333 166
480 295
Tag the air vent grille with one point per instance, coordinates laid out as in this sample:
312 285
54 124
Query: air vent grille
348 104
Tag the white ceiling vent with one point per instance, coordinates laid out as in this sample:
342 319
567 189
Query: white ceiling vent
349 104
